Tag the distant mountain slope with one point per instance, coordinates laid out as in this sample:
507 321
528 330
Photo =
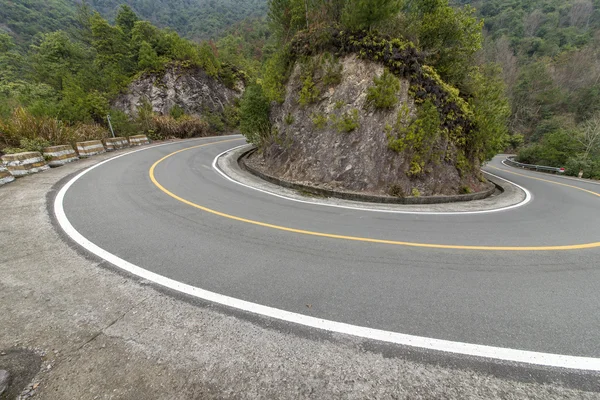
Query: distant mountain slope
194 19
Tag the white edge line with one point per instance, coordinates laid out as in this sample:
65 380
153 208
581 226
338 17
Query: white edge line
568 178
527 199
476 350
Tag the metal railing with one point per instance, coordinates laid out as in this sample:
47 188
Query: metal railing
541 168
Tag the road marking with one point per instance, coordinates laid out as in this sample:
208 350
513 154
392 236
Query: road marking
355 238
468 349
527 199
546 180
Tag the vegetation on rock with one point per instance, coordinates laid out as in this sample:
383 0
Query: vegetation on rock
61 88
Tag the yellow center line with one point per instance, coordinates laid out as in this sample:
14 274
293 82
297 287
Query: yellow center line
545 180
352 238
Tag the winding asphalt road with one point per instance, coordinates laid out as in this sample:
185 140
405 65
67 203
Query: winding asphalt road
518 297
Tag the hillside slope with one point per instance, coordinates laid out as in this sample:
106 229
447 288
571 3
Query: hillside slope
194 19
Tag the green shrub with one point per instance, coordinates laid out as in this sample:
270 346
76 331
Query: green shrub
123 125
416 192
231 115
319 120
418 135
332 70
396 191
347 122
383 95
289 119
309 93
339 105
176 111
255 124
465 190
215 121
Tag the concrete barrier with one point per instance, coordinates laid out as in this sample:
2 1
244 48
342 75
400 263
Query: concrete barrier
90 148
5 176
60 155
117 143
22 164
138 140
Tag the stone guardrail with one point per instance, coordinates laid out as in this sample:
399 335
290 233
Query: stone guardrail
90 148
22 164
5 176
60 155
138 140
116 143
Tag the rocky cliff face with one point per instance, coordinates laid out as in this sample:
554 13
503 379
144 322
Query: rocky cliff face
314 145
189 88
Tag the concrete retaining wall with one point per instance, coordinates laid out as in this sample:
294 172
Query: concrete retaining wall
5 176
22 164
90 148
138 140
60 155
116 143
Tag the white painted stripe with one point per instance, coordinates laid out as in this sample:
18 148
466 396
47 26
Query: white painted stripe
527 199
7 179
570 178
22 163
59 153
476 350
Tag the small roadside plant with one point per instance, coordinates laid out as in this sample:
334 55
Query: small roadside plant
289 119
396 190
309 93
465 190
418 135
332 70
319 120
176 111
416 192
347 122
383 95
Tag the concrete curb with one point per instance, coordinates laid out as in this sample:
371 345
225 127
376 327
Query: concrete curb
60 155
116 143
365 197
90 148
27 163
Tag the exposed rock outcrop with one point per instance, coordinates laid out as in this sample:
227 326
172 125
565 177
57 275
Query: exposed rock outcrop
189 88
310 148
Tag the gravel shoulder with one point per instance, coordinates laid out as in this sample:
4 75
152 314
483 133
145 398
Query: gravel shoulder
102 335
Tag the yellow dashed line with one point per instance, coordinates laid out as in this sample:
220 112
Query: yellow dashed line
361 239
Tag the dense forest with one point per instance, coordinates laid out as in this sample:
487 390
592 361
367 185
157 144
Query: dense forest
549 51
193 19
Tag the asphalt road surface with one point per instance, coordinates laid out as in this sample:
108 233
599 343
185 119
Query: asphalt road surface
509 293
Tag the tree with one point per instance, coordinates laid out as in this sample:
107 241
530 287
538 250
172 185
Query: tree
148 59
126 19
491 111
365 14
254 115
589 135
449 36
